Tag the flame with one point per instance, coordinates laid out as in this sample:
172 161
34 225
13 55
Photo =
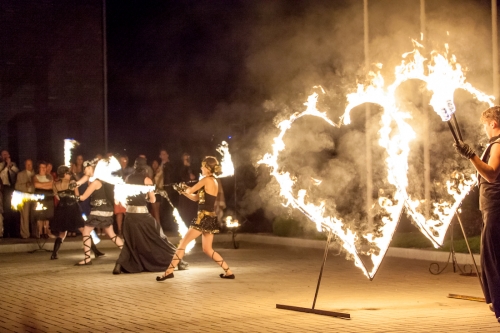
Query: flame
183 229
230 223
40 206
106 170
442 75
316 213
226 162
69 145
19 198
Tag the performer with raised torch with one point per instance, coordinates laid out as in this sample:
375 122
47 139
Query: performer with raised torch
488 168
206 222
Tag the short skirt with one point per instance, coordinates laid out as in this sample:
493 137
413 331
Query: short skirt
99 221
205 222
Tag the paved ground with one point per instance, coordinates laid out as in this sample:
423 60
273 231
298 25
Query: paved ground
39 295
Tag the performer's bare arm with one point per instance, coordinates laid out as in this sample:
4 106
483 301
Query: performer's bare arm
82 180
151 195
490 170
95 185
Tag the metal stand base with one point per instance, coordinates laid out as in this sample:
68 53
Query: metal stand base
236 245
467 298
455 265
40 247
313 310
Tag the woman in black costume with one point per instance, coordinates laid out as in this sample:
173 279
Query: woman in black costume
206 222
67 214
101 213
145 248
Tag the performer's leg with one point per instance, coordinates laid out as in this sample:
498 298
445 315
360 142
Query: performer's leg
207 240
57 244
156 211
179 254
86 246
119 223
111 233
491 261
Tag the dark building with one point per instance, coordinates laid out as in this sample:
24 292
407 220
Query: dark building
51 77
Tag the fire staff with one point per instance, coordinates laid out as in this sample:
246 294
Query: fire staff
488 168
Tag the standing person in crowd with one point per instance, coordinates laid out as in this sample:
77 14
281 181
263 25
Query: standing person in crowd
149 170
158 182
101 214
53 175
118 209
187 207
166 217
145 247
488 168
24 184
8 174
206 222
43 210
77 166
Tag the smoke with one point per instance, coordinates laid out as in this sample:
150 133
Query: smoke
321 44
236 69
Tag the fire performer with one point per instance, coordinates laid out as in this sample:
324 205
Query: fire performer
206 222
488 168
67 214
101 213
146 248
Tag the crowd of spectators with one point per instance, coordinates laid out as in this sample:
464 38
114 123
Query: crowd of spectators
33 219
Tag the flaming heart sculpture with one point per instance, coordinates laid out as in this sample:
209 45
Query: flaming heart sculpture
442 77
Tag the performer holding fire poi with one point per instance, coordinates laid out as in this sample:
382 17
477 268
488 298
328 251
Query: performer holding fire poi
146 248
101 214
488 168
206 222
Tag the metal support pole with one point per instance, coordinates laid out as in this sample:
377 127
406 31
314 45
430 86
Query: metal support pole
313 310
105 75
494 37
470 252
425 134
368 139
322 267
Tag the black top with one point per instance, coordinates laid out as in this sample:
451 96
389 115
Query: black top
99 201
207 201
66 197
140 199
489 193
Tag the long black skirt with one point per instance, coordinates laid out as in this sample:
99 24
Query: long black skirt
67 218
145 249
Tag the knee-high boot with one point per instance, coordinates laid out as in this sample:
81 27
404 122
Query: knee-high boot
57 245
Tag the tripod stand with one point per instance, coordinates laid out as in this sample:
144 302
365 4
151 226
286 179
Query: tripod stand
455 264
434 267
